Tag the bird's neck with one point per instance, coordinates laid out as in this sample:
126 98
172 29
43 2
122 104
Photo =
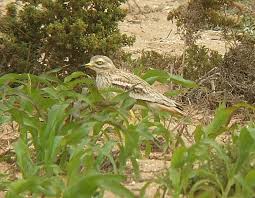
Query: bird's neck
103 79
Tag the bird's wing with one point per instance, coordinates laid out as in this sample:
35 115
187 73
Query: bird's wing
141 90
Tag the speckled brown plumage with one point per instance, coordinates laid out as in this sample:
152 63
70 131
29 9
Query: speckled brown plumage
109 76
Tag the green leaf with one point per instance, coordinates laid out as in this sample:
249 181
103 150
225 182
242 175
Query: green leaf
198 133
162 76
181 81
143 189
76 134
105 151
252 132
135 166
175 178
23 185
174 93
51 92
12 77
75 162
219 123
46 77
24 160
116 187
54 71
179 157
250 178
73 76
5 119
210 193
156 75
49 137
87 186
80 81
244 105
51 187
221 153
245 146
247 190
222 118
131 140
56 116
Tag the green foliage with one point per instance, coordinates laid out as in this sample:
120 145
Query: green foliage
164 77
68 142
41 35
199 61
209 168
239 71
152 59
66 135
234 72
231 16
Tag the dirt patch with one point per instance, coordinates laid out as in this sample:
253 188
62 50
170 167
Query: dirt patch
8 135
147 21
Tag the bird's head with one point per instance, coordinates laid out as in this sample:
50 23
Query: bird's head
100 63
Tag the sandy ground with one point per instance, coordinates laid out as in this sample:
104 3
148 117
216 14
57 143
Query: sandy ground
154 32
148 23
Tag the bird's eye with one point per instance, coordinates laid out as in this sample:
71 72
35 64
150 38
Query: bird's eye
100 62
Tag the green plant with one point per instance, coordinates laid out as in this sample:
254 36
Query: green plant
199 61
155 60
229 15
41 35
75 144
239 71
209 168
61 141
67 137
234 71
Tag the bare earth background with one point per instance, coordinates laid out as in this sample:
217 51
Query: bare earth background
148 22
154 32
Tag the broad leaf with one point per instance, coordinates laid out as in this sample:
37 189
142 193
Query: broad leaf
156 75
181 81
179 157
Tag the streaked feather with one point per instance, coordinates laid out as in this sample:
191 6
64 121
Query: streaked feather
137 87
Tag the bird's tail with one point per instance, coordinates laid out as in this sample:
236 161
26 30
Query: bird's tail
172 109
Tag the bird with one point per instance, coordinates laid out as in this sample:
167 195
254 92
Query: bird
108 75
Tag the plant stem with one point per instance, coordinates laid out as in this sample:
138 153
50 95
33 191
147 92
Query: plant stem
227 189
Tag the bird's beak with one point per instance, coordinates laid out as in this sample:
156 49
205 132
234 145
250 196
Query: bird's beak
86 65
89 65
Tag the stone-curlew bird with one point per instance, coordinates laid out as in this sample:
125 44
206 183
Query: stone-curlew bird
107 75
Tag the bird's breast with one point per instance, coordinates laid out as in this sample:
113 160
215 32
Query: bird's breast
103 81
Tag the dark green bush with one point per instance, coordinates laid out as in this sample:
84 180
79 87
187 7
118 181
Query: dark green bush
233 75
238 70
197 15
44 34
200 60
211 168
153 59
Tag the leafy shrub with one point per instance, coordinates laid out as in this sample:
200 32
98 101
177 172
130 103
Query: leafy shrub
199 61
231 76
197 15
40 35
155 60
209 168
67 137
71 142
238 70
